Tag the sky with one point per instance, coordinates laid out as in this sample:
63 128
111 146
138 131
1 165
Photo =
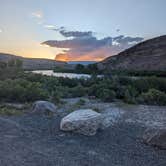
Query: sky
78 29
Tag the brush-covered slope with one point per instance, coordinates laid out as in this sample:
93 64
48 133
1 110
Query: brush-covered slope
33 63
149 55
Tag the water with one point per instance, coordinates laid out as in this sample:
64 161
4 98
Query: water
69 75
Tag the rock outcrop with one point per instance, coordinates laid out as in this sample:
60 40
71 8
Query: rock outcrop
84 121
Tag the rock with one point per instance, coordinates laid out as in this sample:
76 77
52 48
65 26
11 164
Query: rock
44 107
155 137
84 121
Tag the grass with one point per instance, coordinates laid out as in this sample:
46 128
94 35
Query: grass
81 104
96 109
77 105
8 111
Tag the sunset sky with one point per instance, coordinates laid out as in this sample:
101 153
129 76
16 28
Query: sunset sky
78 29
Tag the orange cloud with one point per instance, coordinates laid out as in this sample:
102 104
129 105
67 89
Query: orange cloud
96 55
62 57
84 46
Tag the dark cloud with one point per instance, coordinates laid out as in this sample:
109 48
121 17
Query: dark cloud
84 45
81 42
117 30
125 40
75 33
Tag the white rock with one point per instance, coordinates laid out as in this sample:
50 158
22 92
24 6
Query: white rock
44 107
84 121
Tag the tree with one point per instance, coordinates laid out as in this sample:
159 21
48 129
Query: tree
18 63
3 65
92 68
11 63
79 68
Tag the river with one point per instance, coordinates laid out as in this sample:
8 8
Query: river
55 74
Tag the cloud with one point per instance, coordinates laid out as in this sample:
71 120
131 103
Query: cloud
40 22
1 31
117 30
85 46
75 33
51 27
37 14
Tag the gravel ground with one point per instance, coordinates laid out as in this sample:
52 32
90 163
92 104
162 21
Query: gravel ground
31 140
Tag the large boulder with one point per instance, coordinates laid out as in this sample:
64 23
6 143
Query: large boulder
44 107
84 121
155 137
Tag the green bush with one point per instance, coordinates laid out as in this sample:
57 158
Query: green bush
23 86
106 94
21 90
144 84
154 97
9 111
81 102
78 91
130 95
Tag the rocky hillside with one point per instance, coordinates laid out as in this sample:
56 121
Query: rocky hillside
33 63
149 55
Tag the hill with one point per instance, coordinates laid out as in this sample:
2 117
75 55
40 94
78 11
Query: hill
149 55
33 63
85 63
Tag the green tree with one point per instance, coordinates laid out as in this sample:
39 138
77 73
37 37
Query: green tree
18 63
11 63
79 68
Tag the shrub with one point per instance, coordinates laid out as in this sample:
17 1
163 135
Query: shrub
154 97
78 91
79 68
144 84
120 92
55 96
106 94
10 111
123 80
21 90
81 102
130 94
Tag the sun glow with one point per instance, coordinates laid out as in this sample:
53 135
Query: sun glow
65 58
62 57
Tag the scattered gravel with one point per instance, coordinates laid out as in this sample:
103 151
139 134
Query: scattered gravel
32 140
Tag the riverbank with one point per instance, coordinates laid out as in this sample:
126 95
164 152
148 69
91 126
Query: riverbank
20 86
